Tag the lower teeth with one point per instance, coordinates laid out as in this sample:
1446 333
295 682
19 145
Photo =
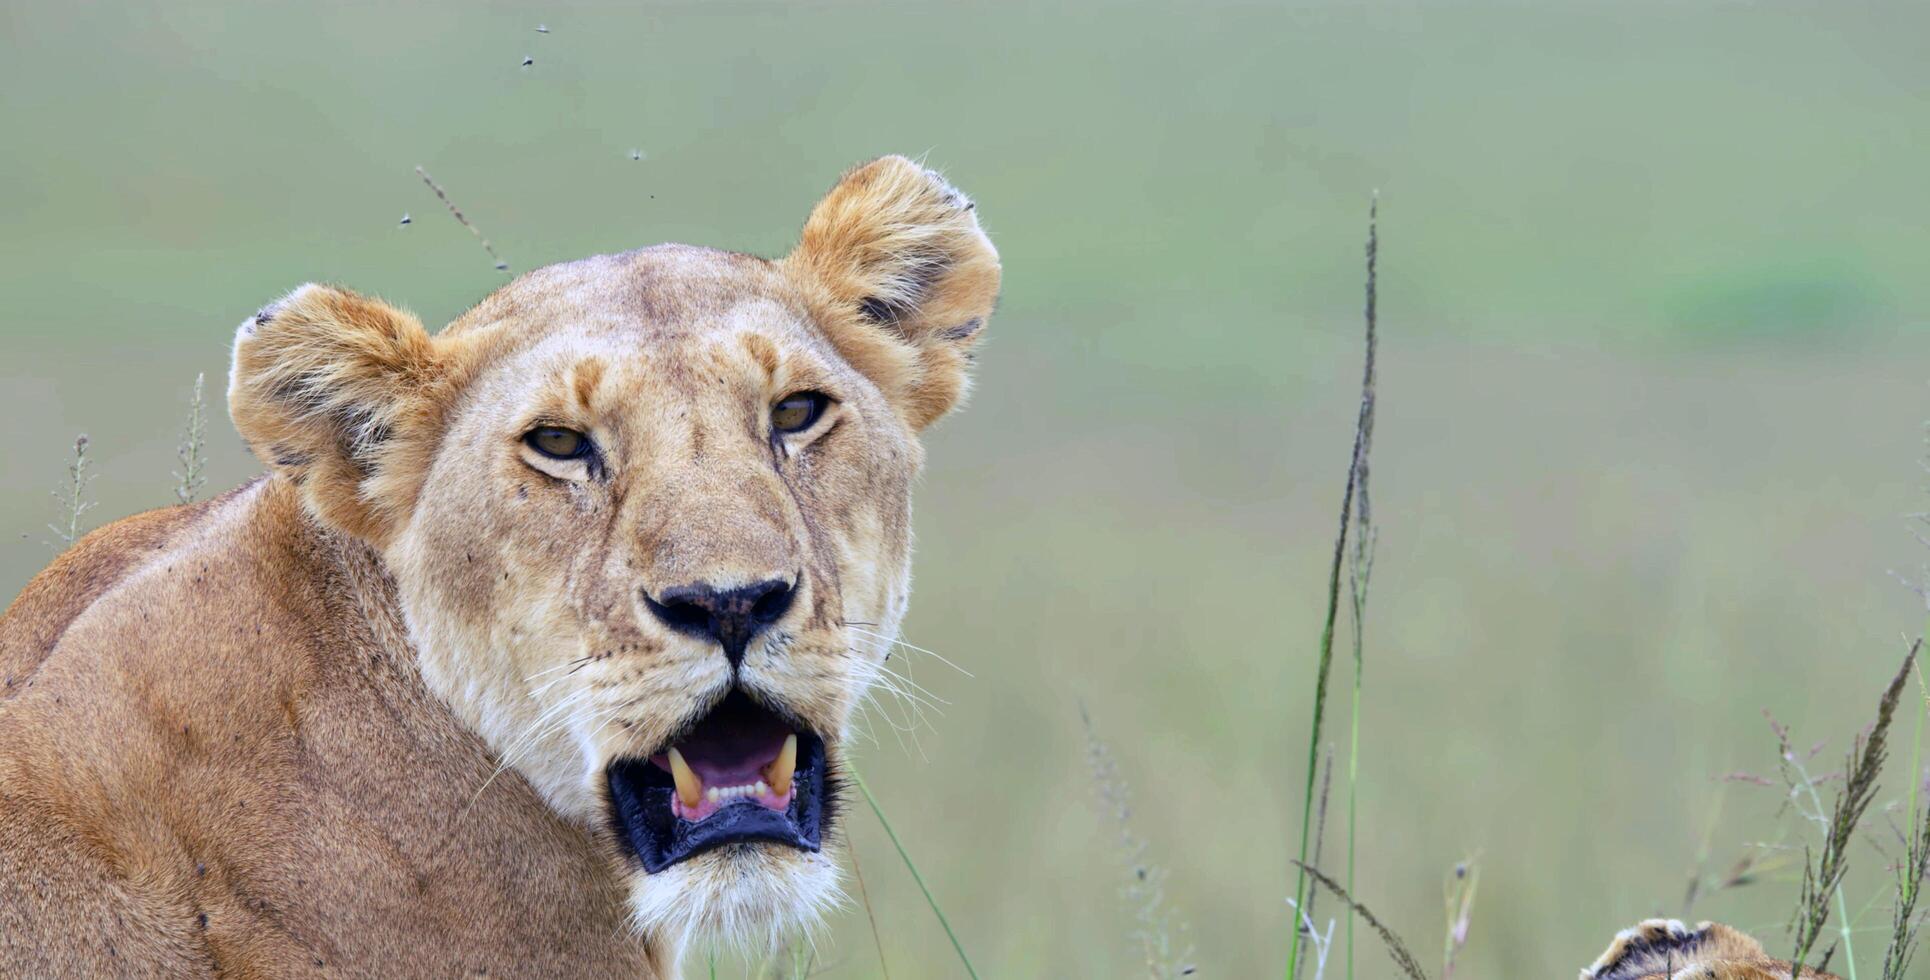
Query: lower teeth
717 793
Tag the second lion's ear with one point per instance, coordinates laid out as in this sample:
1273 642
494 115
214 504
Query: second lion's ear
338 392
902 278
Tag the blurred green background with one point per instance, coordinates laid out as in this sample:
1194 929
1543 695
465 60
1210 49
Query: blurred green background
1653 305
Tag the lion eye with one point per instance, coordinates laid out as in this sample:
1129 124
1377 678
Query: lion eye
558 443
798 412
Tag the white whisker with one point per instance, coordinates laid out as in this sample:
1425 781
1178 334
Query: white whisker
551 670
537 694
529 736
910 688
913 647
878 679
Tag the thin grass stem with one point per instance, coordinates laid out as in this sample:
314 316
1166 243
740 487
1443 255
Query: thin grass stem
73 496
456 212
1362 566
1323 666
1823 880
1396 949
957 947
864 895
192 451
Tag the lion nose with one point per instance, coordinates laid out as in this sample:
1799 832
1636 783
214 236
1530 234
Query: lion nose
732 617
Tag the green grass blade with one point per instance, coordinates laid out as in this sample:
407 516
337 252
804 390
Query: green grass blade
1361 567
1353 783
1356 477
1321 670
1916 744
864 894
915 876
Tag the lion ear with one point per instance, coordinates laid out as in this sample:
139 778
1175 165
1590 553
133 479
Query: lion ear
902 278
336 392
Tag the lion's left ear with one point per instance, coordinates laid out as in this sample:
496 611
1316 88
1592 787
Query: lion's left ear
903 279
338 393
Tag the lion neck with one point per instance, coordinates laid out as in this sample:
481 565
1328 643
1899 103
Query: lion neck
440 812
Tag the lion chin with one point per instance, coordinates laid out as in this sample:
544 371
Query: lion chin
749 897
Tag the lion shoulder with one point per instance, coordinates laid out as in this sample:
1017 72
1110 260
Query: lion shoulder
94 567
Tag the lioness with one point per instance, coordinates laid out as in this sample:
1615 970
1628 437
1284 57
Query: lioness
535 651
1665 949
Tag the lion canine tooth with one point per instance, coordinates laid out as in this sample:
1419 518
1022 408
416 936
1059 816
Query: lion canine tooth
690 788
786 764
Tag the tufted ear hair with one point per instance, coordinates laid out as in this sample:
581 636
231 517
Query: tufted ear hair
902 278
338 393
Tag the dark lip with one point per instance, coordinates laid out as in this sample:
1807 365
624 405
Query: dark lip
640 814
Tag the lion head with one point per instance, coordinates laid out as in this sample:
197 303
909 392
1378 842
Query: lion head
648 518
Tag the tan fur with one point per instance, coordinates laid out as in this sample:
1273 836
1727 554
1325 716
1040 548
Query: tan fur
1665 949
352 718
890 246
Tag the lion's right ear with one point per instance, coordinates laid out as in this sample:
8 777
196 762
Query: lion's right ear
337 392
902 278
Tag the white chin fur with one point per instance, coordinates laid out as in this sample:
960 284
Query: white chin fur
748 897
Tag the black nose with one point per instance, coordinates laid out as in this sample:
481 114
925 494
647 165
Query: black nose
732 617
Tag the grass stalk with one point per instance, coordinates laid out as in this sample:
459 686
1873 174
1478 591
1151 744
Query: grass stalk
1323 665
443 196
1458 900
1843 933
864 895
1806 784
1320 842
1163 949
957 947
1905 922
1916 742
1410 967
1353 791
1823 880
73 497
1361 566
192 452
1321 943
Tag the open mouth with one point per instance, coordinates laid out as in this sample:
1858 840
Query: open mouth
741 775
